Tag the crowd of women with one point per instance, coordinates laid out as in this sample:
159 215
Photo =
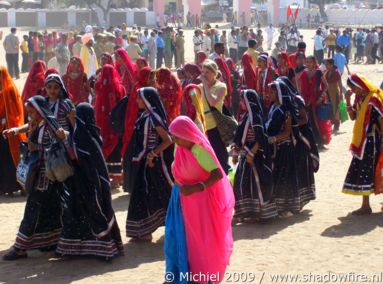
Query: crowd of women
158 135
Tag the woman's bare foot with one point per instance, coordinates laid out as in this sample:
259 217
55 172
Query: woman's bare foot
362 211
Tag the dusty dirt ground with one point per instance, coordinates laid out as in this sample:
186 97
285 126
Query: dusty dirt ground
323 238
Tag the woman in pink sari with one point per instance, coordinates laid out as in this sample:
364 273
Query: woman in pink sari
207 201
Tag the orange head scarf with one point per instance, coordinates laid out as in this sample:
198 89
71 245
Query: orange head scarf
11 107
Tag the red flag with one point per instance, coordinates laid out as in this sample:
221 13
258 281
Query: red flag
296 13
289 13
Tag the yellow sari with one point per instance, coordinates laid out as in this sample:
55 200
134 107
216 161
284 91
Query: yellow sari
374 98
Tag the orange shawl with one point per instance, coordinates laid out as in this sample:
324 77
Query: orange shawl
12 106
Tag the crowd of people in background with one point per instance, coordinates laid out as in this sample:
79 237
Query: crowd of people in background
110 96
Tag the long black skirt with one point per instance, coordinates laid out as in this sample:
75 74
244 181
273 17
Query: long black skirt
314 126
253 193
151 190
8 183
89 224
305 177
361 173
286 191
41 224
114 162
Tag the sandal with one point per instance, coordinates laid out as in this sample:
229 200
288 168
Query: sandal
362 211
14 255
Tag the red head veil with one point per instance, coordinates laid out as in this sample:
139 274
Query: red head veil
109 91
230 62
226 76
75 85
35 80
201 57
132 108
249 72
170 91
141 61
11 107
127 69
51 71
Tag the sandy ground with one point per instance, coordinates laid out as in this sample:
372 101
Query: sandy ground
323 238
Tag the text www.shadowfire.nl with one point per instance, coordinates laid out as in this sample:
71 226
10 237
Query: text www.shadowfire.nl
260 278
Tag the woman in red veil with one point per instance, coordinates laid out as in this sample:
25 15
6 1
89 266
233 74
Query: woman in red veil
76 81
126 68
35 80
109 90
170 91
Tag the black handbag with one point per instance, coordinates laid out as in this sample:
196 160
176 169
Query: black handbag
28 167
226 123
117 116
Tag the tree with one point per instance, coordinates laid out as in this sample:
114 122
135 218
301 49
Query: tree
321 4
103 5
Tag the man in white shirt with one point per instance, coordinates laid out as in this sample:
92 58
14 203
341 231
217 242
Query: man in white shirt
11 45
206 46
197 41
144 43
318 47
134 50
233 46
152 50
270 35
375 46
292 41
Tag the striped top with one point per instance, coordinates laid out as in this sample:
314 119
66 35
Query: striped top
61 110
45 141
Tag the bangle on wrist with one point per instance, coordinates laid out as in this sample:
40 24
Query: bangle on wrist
203 185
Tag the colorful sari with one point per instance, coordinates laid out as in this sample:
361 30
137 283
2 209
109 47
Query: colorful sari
170 91
226 78
311 91
35 80
366 138
333 77
373 99
109 91
201 57
11 115
249 74
193 71
127 70
76 81
207 215
194 106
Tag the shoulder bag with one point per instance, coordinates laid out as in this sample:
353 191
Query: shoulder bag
226 123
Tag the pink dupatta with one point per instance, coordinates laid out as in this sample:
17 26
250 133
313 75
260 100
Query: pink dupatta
207 215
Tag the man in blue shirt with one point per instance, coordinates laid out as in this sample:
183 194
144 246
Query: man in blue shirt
344 42
340 60
160 49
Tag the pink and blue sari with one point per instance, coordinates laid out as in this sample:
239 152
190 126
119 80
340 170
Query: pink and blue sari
206 215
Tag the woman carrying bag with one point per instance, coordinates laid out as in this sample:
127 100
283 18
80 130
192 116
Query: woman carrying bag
41 224
214 93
